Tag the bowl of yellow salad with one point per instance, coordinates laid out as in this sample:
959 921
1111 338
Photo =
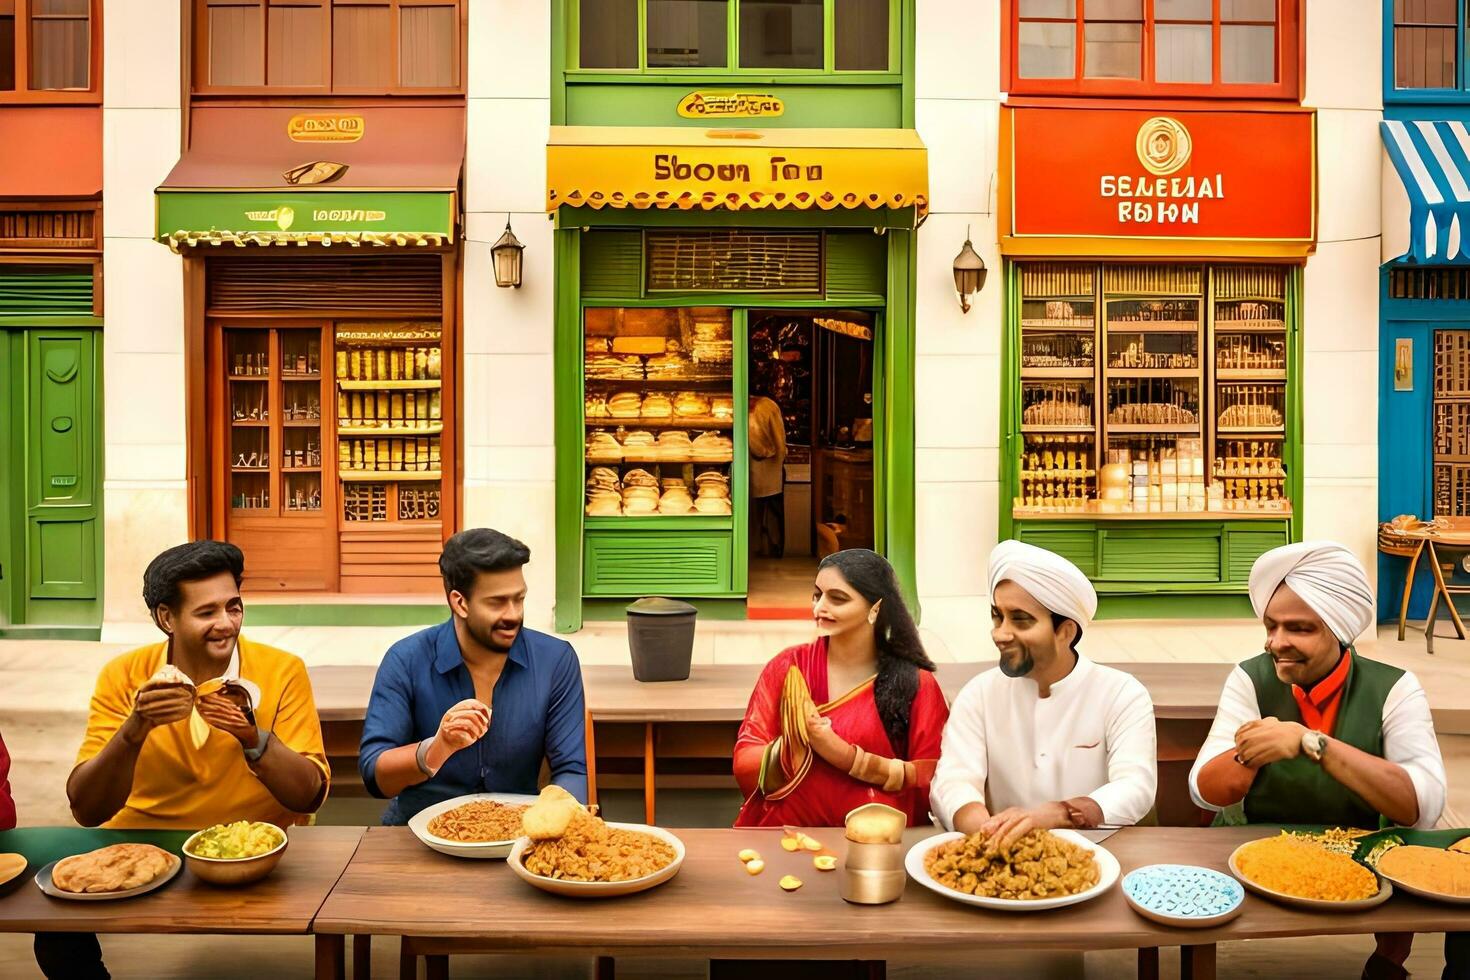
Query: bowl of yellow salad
236 853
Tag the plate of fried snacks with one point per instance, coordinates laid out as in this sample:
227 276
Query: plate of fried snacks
1309 871
481 825
1183 895
115 871
236 853
569 851
1046 869
12 866
1433 864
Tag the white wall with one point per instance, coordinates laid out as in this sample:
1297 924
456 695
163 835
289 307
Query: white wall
144 497
508 438
957 382
1340 315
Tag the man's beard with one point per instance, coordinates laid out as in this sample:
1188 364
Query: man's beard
1020 667
486 637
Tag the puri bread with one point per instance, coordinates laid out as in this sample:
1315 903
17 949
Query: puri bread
115 868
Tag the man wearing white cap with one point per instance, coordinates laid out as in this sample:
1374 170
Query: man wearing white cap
1310 731
1049 738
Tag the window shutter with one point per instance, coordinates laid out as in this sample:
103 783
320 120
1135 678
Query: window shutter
407 285
857 264
31 290
612 264
734 261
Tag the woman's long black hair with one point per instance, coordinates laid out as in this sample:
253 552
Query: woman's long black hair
900 651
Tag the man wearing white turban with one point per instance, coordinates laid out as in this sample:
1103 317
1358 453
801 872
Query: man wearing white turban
1074 740
1310 731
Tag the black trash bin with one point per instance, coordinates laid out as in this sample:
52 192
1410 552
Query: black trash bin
661 639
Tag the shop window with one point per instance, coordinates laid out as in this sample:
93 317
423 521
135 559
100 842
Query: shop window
341 46
1425 43
56 61
1152 389
1224 48
734 261
720 35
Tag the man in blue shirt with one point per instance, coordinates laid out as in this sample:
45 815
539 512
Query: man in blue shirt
474 704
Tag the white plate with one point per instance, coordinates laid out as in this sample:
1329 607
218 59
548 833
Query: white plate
1385 891
1425 893
1185 921
602 889
1107 867
419 824
43 879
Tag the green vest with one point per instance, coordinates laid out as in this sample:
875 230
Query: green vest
1299 791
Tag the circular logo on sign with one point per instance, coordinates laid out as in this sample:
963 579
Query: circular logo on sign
1163 145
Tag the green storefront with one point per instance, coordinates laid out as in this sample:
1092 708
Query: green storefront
726 235
50 451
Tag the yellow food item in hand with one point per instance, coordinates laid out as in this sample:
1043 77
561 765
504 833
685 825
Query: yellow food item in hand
236 841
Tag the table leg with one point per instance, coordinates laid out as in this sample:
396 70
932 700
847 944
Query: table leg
1444 591
331 957
436 967
1197 962
408 961
1429 622
605 968
648 778
1409 588
362 958
1148 963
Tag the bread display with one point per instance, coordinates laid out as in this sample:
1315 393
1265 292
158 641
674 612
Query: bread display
657 406
691 404
625 405
722 407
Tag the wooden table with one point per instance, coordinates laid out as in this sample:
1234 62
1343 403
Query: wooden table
441 905
1184 695
1425 541
283 904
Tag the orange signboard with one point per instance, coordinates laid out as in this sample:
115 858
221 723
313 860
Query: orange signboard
1157 182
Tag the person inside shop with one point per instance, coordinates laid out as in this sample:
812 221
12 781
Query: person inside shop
429 734
1312 732
1047 739
7 801
767 437
853 717
160 755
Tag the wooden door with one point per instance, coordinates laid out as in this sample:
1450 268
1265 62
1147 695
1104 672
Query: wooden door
274 488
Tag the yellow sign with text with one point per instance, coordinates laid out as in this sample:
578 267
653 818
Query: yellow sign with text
796 169
325 127
730 105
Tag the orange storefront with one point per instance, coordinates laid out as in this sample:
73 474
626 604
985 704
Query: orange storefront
1151 418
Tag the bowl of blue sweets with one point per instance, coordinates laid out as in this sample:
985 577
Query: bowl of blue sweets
1183 895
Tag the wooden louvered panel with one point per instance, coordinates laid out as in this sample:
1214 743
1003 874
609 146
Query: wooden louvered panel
408 285
1158 555
734 261
48 228
1153 280
392 561
46 290
857 264
1259 282
1076 545
1056 279
628 564
1244 547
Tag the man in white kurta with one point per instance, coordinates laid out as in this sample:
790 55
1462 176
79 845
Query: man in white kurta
1047 739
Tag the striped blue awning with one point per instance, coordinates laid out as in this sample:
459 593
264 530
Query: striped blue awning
1432 161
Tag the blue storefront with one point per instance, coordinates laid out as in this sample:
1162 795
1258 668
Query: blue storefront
1424 340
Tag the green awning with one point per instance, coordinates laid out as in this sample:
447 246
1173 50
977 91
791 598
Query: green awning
326 216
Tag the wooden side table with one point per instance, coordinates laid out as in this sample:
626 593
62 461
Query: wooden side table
1426 541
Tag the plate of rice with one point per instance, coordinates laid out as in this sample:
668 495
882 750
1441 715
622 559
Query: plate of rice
1297 870
481 825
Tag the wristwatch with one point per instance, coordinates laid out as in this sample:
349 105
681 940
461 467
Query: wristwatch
262 739
1313 745
421 756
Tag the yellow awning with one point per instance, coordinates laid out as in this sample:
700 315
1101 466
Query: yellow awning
737 169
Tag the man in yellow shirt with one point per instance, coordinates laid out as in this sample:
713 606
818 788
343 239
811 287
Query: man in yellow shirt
161 755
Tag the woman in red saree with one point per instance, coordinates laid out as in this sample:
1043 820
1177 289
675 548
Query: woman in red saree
854 717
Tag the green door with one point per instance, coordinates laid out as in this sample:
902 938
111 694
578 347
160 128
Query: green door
49 479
